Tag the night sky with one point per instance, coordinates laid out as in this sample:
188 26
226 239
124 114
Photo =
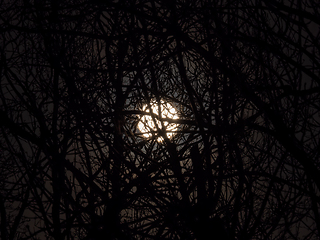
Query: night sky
160 119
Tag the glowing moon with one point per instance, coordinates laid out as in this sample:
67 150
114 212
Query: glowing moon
149 125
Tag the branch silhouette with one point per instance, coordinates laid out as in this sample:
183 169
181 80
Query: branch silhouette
242 161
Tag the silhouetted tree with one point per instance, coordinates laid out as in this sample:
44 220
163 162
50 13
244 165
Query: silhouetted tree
243 162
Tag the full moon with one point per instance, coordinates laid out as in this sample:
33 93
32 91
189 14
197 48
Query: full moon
148 125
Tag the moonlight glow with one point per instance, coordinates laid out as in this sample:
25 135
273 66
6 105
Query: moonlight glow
149 126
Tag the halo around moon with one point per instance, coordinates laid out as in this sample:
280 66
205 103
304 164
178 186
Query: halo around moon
160 119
